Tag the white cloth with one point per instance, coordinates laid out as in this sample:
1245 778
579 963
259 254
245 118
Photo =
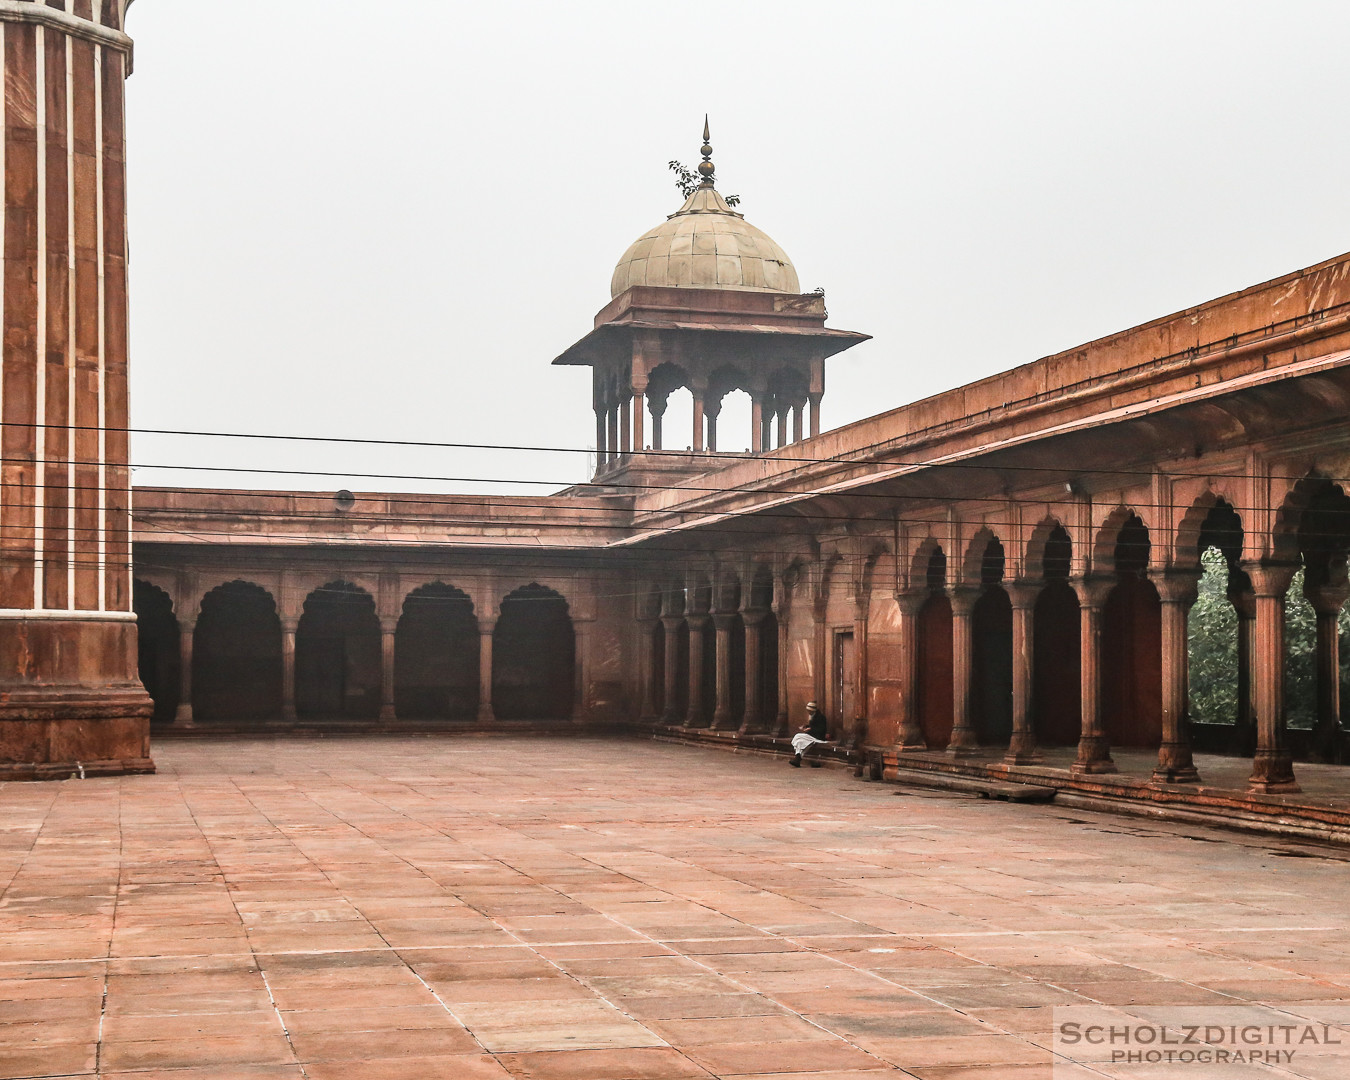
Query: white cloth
802 742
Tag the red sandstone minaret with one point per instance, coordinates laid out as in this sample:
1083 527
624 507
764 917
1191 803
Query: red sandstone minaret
70 699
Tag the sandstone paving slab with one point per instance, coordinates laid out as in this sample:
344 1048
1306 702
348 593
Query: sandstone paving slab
687 902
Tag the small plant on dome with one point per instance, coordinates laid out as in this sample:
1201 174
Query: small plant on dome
688 180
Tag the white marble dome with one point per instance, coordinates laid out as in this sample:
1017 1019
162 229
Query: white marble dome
706 245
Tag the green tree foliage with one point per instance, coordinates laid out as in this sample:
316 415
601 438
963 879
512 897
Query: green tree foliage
1300 656
1213 646
1213 650
687 180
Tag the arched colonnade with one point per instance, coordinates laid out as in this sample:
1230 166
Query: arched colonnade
337 652
995 636
630 414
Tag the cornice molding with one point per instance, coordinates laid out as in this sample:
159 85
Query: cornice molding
27 11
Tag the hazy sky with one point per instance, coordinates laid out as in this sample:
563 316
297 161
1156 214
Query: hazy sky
383 220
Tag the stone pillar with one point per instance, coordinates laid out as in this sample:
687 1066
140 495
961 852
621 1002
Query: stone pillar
815 415
601 454
725 624
657 415
911 731
1244 604
698 626
712 431
626 426
1094 751
1175 765
756 424
964 742
754 670
485 629
183 716
698 419
387 628
1022 748
783 721
783 425
673 625
797 411
65 478
639 420
288 629
612 433
1273 765
647 667
1326 602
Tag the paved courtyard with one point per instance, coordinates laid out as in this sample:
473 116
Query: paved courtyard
609 910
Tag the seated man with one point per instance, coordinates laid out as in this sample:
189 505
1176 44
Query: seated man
815 732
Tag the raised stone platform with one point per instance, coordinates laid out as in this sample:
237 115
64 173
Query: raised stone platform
1320 811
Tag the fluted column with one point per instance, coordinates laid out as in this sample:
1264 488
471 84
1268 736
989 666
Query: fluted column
754 670
1175 764
187 630
387 629
486 715
673 625
723 718
70 693
964 741
698 626
911 731
1022 748
1094 750
1273 765
288 628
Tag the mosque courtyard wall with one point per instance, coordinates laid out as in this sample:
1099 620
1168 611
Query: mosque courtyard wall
996 570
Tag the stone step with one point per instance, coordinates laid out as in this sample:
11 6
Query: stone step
985 789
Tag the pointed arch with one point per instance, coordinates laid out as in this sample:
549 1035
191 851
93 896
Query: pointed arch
1049 552
534 656
436 650
236 655
338 658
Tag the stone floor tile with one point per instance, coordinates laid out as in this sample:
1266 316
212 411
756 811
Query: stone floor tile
782 1055
383 1044
253 1049
441 1067
653 1063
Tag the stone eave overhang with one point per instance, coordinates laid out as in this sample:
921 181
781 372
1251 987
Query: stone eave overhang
614 340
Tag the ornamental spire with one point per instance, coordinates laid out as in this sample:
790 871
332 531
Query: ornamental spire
705 167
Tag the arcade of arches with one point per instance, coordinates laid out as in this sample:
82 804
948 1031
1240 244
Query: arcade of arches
233 656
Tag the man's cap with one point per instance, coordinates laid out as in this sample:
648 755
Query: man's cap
812 705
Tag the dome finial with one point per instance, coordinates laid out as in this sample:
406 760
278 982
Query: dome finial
705 167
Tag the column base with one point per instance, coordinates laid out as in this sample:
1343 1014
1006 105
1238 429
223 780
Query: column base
387 712
910 738
1022 750
1175 765
724 723
486 715
963 744
671 719
1273 774
182 719
1094 757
